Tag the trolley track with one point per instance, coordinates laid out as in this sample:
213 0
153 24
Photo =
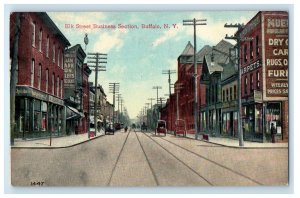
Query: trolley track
115 165
182 162
148 161
202 157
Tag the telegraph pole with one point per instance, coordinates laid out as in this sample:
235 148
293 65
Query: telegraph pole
194 23
157 87
169 72
237 38
95 60
118 100
114 88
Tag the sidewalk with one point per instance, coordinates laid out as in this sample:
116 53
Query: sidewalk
234 143
57 142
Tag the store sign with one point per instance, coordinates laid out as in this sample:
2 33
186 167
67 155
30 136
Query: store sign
251 67
257 95
29 92
69 70
276 54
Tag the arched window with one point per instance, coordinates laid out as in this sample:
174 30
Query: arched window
32 72
40 39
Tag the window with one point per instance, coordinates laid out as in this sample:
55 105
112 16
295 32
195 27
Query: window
17 71
47 80
257 45
62 60
33 34
230 93
40 39
251 83
47 46
57 86
227 95
223 95
52 84
245 53
251 50
245 85
61 88
257 80
32 72
39 76
58 58
53 53
235 92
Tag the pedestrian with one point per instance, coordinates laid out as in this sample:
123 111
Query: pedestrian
273 132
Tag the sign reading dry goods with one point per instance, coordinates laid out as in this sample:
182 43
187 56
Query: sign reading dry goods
276 55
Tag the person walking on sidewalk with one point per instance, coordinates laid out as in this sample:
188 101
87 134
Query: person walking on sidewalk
273 132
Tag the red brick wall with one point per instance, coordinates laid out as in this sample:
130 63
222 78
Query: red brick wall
27 52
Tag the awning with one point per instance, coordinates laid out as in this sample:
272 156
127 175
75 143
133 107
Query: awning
73 113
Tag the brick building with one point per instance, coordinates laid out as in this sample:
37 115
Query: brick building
73 81
264 80
40 76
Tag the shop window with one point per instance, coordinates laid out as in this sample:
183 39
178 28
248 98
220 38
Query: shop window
40 40
33 34
37 121
258 119
273 115
235 124
44 116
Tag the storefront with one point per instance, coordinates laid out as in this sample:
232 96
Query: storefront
38 114
74 122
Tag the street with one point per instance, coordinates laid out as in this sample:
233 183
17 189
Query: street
143 159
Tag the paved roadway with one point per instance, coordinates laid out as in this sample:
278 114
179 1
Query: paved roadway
143 159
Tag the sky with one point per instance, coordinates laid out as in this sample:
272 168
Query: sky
136 57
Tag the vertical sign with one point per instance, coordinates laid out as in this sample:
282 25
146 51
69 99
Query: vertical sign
69 70
276 55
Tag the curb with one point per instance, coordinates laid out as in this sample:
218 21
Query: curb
57 147
236 147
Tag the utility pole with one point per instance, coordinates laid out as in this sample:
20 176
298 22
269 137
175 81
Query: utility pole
237 38
157 87
13 76
95 60
194 23
114 88
169 72
118 100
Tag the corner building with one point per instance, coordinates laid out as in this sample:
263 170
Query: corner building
264 76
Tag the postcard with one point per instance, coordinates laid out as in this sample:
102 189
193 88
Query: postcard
148 99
